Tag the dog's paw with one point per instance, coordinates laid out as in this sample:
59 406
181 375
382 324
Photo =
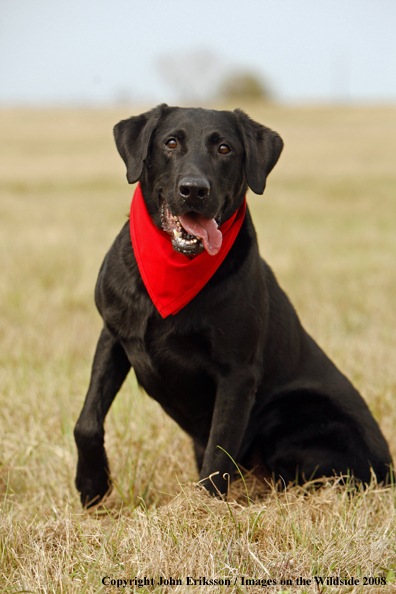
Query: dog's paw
93 486
92 493
215 484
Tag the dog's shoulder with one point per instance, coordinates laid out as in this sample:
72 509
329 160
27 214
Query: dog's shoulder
120 293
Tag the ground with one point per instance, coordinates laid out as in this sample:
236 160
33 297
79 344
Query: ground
327 227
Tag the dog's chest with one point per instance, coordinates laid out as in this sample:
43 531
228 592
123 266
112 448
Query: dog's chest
179 372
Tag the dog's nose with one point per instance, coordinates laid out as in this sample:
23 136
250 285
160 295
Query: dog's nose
194 187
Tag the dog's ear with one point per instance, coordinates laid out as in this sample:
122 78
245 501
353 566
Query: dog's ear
132 138
262 150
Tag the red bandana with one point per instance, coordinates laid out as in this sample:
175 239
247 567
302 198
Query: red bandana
172 279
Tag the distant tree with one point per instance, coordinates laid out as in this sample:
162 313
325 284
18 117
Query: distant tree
196 76
192 75
123 96
243 85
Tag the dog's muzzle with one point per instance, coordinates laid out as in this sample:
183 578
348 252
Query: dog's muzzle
191 233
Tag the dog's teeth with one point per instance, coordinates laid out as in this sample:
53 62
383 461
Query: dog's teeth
177 233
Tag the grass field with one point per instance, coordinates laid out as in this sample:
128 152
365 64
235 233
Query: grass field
327 227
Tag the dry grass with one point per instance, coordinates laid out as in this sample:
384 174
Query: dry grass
326 225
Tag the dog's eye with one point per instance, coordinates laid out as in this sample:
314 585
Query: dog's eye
171 143
224 149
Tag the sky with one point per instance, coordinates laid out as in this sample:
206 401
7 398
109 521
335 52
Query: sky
101 52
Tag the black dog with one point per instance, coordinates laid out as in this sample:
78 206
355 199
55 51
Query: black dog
233 367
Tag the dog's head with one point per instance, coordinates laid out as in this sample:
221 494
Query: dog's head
194 166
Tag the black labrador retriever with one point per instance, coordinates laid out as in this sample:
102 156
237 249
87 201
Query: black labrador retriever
233 367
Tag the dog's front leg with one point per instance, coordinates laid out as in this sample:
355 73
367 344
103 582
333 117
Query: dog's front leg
110 368
234 400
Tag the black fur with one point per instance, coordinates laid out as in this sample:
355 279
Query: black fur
234 367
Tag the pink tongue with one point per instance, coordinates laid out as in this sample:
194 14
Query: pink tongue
206 229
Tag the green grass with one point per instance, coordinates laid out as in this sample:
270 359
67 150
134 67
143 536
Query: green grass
326 225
